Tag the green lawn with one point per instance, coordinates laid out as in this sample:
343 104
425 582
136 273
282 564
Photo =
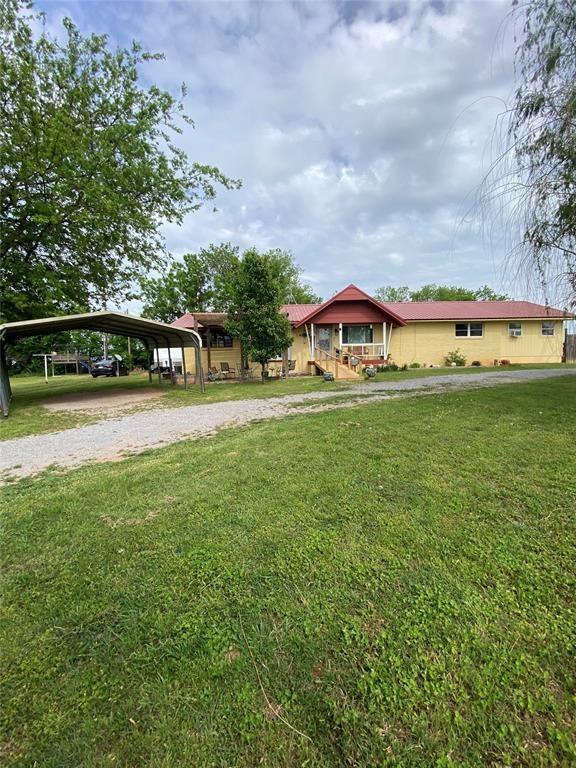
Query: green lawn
28 416
388 585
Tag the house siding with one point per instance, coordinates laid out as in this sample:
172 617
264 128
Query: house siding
231 355
428 343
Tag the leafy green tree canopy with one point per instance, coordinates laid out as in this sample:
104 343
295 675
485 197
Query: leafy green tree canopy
254 310
433 292
288 275
393 293
204 281
88 168
197 283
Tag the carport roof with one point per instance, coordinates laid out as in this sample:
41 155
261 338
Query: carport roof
150 331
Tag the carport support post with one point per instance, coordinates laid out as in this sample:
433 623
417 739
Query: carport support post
170 366
199 373
184 370
158 363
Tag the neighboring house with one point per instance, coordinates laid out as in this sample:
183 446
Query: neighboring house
352 329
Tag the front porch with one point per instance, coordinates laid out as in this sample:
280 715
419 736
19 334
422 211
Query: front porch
347 332
344 349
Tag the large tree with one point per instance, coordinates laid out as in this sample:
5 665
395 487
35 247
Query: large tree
88 168
197 283
254 310
433 292
205 281
536 174
289 274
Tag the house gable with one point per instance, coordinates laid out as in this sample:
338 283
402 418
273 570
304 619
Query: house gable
351 305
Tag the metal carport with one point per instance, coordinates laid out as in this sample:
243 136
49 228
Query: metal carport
152 333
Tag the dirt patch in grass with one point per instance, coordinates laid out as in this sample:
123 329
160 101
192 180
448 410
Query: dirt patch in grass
101 402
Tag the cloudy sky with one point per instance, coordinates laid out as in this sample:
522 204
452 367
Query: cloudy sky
360 130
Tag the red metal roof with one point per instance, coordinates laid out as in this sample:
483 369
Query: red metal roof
351 305
202 318
296 312
186 321
472 310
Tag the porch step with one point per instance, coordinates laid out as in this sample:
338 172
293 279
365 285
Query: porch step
342 371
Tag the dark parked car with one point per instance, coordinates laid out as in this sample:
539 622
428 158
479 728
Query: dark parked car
110 366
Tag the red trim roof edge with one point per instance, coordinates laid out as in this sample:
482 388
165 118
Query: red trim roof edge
336 296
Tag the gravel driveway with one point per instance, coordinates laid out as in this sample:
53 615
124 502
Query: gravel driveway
114 438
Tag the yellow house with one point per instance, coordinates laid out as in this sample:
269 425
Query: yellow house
352 330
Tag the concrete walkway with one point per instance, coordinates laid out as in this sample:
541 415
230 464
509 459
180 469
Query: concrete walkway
114 438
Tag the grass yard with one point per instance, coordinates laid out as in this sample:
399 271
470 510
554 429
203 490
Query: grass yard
389 585
28 415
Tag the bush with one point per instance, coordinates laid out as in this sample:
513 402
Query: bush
455 357
387 368
415 365
476 363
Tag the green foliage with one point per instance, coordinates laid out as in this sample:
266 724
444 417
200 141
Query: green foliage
132 351
25 349
485 293
414 365
90 343
392 293
476 363
542 137
88 169
387 368
205 282
455 357
197 283
288 276
417 613
433 292
254 311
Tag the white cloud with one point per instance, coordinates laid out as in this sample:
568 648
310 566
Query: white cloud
359 131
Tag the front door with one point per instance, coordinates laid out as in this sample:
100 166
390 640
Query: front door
324 336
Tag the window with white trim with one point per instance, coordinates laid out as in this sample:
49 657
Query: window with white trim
548 328
357 334
515 328
469 330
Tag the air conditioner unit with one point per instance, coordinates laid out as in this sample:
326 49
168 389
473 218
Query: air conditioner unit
515 334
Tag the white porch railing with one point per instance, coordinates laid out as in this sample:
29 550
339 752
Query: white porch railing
362 351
